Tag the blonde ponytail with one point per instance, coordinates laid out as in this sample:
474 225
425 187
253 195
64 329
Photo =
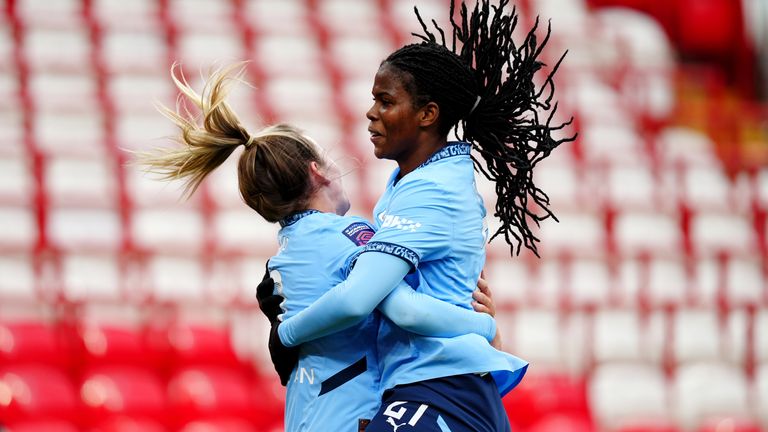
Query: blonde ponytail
206 146
273 171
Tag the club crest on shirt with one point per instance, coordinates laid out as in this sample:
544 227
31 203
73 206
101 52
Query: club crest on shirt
358 233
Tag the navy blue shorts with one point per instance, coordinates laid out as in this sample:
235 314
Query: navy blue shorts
460 403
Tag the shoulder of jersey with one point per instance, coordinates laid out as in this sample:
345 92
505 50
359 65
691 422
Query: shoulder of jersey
345 229
357 230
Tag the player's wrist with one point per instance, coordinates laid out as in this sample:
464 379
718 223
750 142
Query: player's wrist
491 329
283 334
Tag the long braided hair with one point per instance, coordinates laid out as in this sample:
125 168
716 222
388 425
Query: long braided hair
484 85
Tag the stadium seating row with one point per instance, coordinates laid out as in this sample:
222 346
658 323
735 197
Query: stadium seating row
724 282
182 373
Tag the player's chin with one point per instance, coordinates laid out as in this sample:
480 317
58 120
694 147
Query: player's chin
379 153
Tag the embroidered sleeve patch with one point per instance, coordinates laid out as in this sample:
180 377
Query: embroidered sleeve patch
399 251
358 233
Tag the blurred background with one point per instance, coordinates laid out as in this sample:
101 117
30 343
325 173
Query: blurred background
124 308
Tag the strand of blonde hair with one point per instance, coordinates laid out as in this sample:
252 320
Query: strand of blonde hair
204 145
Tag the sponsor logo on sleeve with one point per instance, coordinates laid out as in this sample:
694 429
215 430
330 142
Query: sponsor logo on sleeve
358 233
397 222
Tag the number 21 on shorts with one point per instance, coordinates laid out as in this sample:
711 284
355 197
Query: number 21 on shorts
396 412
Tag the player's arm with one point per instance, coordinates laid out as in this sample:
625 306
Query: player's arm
394 250
374 276
378 277
425 315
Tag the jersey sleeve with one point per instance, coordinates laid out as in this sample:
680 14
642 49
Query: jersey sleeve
425 315
349 302
417 225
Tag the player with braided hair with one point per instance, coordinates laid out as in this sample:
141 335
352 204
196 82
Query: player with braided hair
431 217
495 104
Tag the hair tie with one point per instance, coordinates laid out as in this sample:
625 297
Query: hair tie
477 102
248 143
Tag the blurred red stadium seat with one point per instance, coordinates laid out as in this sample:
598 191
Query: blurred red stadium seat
116 344
209 392
91 278
36 391
343 18
760 341
130 424
175 278
708 28
18 228
559 177
646 232
84 229
644 61
610 143
625 392
220 425
64 13
682 146
697 335
16 180
133 51
655 282
731 424
168 230
578 233
136 14
745 281
651 425
618 335
197 344
540 395
545 347
630 187
590 284
63 91
562 422
18 285
201 15
41 426
32 341
704 390
112 392
80 181
57 49
198 51
761 392
714 232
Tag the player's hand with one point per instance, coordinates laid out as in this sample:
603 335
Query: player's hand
284 359
269 302
496 342
483 300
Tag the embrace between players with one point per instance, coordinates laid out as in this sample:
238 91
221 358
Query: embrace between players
372 322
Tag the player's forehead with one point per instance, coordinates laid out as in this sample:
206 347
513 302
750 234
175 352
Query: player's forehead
389 81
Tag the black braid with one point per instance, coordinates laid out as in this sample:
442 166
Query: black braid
506 126
422 64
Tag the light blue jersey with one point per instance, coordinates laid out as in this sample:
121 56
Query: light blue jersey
336 381
433 218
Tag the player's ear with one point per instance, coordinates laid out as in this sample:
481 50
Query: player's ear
317 174
428 114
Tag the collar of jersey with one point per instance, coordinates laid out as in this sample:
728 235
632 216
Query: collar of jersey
453 148
295 217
